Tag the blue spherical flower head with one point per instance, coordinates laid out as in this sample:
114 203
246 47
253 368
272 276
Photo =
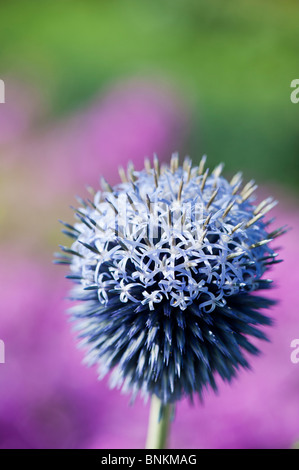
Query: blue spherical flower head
165 265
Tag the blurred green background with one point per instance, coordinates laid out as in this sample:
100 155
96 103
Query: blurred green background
233 62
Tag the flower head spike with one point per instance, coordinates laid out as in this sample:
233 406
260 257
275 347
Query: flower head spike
165 265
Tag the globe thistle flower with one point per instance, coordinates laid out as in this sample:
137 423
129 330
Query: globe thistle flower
166 265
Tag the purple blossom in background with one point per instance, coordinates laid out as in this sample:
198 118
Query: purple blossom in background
130 121
21 111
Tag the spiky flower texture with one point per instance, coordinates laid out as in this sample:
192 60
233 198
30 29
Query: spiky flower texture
165 265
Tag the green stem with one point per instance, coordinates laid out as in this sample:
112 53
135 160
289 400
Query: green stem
158 426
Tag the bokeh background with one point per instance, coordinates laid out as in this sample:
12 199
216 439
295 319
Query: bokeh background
91 85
